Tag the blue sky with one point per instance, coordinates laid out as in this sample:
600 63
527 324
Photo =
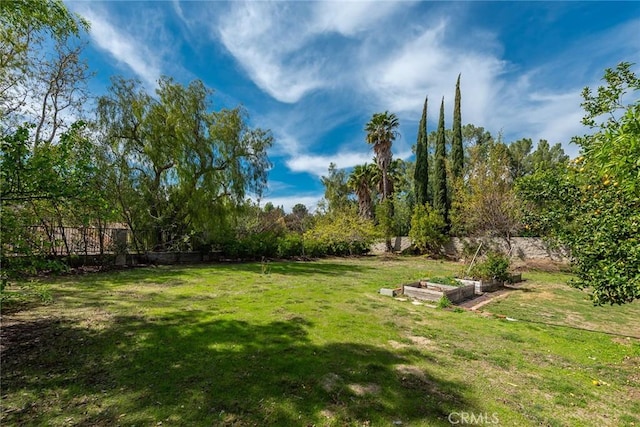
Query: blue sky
315 72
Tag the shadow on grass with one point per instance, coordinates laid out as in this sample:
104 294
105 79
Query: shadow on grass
183 371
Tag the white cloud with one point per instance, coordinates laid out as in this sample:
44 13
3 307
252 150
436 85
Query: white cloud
318 164
288 202
280 47
267 40
352 17
526 110
124 47
308 198
426 65
332 63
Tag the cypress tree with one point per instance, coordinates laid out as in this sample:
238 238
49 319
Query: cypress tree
440 199
457 154
421 173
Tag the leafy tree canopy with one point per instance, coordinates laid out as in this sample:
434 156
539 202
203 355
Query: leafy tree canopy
177 165
593 206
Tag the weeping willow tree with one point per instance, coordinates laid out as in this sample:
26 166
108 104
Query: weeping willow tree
178 168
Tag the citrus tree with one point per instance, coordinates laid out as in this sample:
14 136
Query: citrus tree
605 240
593 206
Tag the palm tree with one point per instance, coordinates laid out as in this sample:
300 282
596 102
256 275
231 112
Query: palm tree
381 131
361 180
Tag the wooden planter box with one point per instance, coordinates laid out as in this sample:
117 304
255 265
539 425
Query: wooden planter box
434 291
390 292
482 286
515 278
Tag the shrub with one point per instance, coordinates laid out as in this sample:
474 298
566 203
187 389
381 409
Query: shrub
253 246
427 229
340 234
494 266
313 248
290 245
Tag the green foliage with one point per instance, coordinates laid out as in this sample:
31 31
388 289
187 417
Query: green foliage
361 181
46 187
54 83
457 151
342 233
40 15
524 162
549 197
427 229
444 302
179 169
520 158
548 157
486 204
336 189
290 245
440 196
444 280
15 267
421 173
475 135
401 174
384 216
381 132
253 246
402 213
24 294
299 220
593 206
494 266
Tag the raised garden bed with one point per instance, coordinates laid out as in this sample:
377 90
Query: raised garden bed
428 291
390 292
515 278
482 286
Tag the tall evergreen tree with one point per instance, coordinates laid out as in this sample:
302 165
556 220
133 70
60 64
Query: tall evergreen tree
421 174
457 154
440 198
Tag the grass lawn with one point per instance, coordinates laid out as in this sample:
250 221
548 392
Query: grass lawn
312 343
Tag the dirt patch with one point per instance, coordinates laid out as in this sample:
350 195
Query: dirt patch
330 382
415 340
541 265
411 371
364 389
627 341
421 341
486 298
327 413
578 321
397 345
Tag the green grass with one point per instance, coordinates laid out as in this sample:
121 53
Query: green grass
312 343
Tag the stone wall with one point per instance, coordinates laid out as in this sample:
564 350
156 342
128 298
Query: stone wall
400 244
523 248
